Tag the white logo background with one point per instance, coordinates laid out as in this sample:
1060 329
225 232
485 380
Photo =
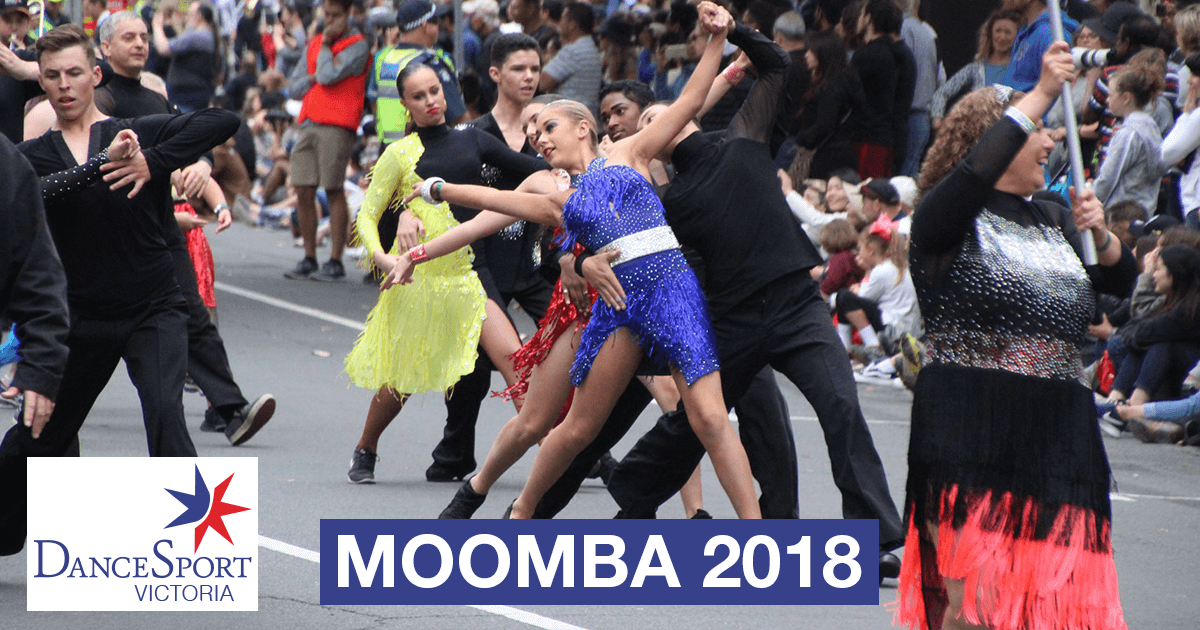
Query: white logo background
115 507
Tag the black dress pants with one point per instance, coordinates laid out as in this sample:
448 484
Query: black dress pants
785 325
773 459
207 362
153 344
455 453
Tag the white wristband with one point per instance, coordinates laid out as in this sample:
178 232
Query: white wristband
1021 119
427 190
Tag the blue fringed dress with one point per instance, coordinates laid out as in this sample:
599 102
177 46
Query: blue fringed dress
665 309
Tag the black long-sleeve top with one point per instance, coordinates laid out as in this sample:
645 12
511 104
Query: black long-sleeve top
875 64
510 251
113 249
831 116
999 278
123 97
33 289
128 98
725 201
458 156
1171 326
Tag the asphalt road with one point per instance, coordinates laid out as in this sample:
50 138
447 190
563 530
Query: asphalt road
289 338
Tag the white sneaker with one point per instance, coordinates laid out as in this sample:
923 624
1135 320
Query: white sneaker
879 374
1111 425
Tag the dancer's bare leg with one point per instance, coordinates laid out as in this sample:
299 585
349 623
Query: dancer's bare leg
499 340
385 406
614 365
710 421
549 386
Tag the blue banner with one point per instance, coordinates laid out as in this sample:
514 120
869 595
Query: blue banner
598 562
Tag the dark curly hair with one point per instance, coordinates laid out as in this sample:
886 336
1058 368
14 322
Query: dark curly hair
960 130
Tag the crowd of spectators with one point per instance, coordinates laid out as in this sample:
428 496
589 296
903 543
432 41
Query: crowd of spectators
867 91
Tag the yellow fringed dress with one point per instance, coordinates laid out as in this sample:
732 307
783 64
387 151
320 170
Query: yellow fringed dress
424 335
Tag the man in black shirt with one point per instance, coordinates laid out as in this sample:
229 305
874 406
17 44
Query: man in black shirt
33 293
125 302
766 310
124 40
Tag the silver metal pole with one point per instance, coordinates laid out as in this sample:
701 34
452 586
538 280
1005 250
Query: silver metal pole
1088 244
458 36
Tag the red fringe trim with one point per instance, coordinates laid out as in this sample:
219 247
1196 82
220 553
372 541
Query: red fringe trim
1066 581
202 258
560 316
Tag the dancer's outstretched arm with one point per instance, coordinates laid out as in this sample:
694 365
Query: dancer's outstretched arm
539 208
646 144
483 224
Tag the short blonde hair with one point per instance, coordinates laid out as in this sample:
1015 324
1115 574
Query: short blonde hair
578 112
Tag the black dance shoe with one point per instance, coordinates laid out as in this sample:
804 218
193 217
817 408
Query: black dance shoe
465 502
437 473
889 566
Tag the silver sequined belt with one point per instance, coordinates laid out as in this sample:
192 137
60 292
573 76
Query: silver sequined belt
644 243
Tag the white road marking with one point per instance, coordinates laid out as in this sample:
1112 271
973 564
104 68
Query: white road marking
1164 497
516 614
288 549
869 421
291 306
525 617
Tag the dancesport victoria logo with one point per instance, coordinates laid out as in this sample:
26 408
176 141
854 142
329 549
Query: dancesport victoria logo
209 513
149 534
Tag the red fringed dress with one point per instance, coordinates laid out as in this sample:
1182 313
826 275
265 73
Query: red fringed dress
1008 478
202 257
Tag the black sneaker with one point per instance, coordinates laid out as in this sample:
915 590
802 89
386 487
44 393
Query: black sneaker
213 422
702 514
304 269
362 466
245 422
465 502
331 271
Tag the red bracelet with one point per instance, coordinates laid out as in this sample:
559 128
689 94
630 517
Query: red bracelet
734 74
418 255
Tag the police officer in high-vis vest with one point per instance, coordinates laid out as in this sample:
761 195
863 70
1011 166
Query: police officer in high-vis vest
418 33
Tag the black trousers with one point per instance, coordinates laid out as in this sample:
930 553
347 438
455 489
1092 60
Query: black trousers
207 362
772 460
785 325
455 453
849 301
153 344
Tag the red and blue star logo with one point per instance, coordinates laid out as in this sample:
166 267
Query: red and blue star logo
198 505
